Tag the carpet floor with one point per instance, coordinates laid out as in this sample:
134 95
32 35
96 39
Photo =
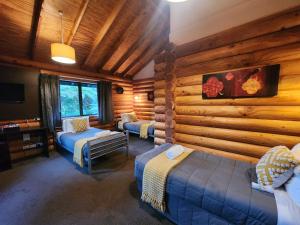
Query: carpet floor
54 191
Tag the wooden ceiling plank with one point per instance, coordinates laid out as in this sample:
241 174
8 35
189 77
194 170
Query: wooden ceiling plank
164 32
149 28
149 54
105 28
118 43
82 11
35 24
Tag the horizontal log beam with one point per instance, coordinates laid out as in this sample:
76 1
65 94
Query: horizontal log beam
276 39
255 59
284 98
248 137
59 69
229 146
229 155
257 112
266 126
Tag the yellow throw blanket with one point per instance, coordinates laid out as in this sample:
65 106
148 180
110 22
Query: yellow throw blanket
144 130
155 177
78 156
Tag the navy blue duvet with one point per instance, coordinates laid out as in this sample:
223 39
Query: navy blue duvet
207 189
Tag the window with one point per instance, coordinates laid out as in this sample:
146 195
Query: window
89 99
78 99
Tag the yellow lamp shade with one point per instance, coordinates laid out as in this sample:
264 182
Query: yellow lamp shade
63 53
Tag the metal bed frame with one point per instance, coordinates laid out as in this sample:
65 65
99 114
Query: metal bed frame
105 145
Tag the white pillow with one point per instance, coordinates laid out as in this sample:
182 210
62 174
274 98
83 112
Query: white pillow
293 189
68 126
296 151
64 125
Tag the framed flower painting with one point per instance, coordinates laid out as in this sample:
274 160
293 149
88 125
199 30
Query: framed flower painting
246 83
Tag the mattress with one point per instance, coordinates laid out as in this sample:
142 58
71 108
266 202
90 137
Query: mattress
217 188
135 127
68 140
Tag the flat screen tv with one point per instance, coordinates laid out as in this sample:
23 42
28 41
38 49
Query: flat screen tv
12 92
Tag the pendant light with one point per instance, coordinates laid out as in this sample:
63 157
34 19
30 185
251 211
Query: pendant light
61 52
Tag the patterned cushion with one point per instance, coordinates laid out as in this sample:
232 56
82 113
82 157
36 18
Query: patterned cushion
128 117
79 125
133 116
275 162
283 178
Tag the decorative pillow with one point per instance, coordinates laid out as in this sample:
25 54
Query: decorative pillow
296 151
275 162
283 178
133 116
128 117
79 125
67 125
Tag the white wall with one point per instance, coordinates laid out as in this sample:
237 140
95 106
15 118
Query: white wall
147 72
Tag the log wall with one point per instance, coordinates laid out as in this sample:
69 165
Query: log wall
122 103
239 128
143 108
159 110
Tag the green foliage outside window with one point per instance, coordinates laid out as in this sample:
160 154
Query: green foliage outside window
78 99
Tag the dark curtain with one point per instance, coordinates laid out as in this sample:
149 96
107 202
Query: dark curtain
50 104
105 101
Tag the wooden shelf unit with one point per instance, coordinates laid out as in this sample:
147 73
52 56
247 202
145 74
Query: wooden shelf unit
13 141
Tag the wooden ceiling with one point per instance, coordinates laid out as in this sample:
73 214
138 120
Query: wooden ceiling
116 37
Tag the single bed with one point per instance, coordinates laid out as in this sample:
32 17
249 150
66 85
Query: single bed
208 189
135 127
94 148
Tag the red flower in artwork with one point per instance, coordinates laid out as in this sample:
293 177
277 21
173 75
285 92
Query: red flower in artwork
212 87
229 76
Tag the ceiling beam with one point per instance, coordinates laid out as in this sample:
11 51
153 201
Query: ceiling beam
148 55
83 8
35 24
119 41
104 30
154 22
148 47
58 68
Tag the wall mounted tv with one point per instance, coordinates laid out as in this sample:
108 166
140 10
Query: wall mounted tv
12 93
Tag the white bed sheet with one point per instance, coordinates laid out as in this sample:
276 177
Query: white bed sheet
288 211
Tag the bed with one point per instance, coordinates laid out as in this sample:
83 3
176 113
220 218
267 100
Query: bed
208 189
134 127
94 148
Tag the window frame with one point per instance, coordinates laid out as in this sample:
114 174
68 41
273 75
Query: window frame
79 85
